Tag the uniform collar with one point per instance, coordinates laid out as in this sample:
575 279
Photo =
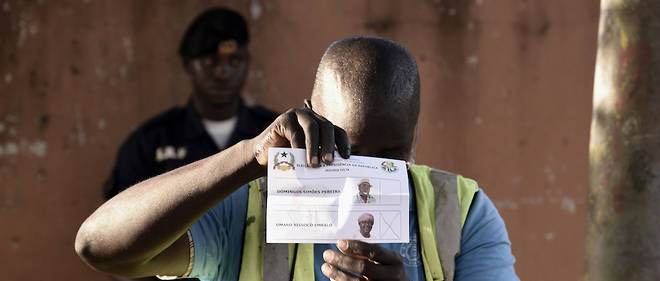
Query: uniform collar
194 127
245 125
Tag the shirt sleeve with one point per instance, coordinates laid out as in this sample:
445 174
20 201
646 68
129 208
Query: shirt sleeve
485 246
209 240
218 239
191 253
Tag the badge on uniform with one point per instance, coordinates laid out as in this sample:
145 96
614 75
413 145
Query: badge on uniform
170 152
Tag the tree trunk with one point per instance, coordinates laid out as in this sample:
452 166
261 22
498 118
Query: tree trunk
623 220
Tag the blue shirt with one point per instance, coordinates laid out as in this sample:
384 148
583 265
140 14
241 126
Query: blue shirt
485 247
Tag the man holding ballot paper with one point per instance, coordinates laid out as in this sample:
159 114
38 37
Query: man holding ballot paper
207 219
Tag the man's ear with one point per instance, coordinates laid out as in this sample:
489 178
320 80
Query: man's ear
187 65
411 158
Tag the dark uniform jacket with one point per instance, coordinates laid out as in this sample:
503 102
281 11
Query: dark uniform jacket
173 139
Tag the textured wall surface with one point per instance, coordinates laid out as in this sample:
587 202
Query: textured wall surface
506 100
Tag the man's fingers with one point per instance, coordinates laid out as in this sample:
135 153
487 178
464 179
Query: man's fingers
372 252
352 264
334 273
327 139
362 266
303 128
343 145
309 124
291 130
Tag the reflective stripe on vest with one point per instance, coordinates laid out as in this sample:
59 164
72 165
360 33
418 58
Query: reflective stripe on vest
429 183
438 219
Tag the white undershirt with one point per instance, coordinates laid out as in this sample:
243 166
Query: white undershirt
220 131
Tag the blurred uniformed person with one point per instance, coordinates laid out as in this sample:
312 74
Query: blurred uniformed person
215 55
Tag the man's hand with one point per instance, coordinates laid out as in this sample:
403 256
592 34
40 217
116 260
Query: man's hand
303 128
367 261
141 231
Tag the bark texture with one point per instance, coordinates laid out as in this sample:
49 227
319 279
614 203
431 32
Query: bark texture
623 219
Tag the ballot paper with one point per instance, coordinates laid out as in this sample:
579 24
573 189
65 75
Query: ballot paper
362 198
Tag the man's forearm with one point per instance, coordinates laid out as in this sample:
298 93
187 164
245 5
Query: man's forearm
139 231
145 219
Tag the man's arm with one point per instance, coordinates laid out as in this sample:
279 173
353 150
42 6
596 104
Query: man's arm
140 232
485 247
135 162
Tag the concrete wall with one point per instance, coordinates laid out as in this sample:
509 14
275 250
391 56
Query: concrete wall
506 100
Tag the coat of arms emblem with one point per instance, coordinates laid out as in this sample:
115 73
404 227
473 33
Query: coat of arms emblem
284 161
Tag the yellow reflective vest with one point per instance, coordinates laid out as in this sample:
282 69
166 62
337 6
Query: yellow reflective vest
443 200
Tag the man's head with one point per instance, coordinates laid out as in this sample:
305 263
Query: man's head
364 187
214 53
369 86
366 222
